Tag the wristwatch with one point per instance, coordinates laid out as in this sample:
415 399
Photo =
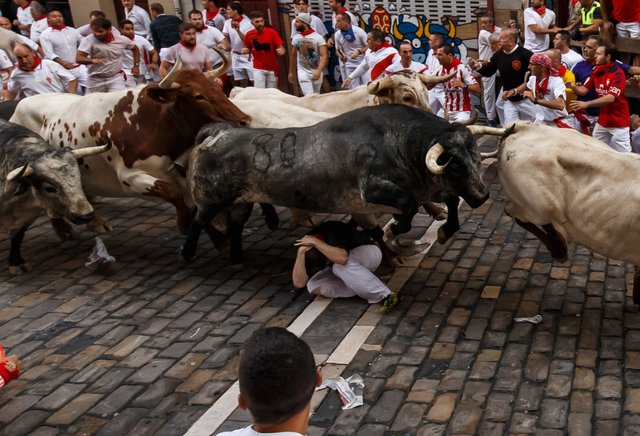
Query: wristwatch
535 100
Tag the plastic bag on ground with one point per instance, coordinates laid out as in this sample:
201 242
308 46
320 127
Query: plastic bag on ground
99 256
350 390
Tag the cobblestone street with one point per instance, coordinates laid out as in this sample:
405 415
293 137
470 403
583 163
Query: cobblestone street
150 345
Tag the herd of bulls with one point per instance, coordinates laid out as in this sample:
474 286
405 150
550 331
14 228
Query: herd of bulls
317 154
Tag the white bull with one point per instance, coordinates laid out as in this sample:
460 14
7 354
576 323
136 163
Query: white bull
404 87
565 187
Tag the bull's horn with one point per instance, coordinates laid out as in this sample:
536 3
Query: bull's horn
226 64
470 121
24 171
378 85
432 159
434 80
446 114
90 151
493 153
485 130
169 79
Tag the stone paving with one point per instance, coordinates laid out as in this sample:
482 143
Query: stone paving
149 345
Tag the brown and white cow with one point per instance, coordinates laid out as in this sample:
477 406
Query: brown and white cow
148 126
564 186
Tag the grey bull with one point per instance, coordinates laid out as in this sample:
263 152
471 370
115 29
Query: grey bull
382 159
37 177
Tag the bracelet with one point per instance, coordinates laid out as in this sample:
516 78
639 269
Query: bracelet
535 100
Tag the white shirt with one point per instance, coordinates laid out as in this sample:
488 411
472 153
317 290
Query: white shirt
37 28
570 58
112 52
5 61
195 58
217 22
24 17
414 66
537 42
308 48
484 46
316 24
374 61
555 89
48 77
457 99
210 37
347 47
248 431
140 19
235 41
61 44
145 47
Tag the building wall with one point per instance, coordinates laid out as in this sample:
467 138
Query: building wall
80 9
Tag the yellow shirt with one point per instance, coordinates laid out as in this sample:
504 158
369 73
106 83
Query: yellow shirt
569 77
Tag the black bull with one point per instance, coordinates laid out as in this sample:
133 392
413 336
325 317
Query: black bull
379 159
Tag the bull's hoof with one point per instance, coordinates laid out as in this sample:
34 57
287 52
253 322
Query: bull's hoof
441 216
300 218
99 226
272 221
442 235
16 270
184 255
62 229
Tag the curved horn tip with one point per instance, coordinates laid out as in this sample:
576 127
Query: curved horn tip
17 173
431 159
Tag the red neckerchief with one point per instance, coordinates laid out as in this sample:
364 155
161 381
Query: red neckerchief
343 10
493 29
307 32
384 45
189 46
541 87
109 38
562 71
601 69
36 62
211 14
25 7
237 20
453 65
541 10
204 28
41 17
60 27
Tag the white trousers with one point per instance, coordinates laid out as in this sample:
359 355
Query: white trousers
616 137
489 96
308 86
628 30
264 79
515 110
354 278
108 85
356 81
436 102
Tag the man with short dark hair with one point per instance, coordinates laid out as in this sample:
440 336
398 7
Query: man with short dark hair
485 51
193 55
457 98
212 14
351 45
85 30
138 16
265 45
234 31
302 7
164 29
609 82
103 53
561 42
148 56
377 58
277 376
207 36
310 50
37 76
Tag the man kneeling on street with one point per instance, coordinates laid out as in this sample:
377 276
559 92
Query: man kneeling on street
336 260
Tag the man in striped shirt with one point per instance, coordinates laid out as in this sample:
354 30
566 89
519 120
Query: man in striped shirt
457 100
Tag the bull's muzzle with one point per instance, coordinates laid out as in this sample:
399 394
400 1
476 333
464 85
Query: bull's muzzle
82 219
477 199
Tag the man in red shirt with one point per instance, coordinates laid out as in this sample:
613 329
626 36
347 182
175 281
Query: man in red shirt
609 81
265 45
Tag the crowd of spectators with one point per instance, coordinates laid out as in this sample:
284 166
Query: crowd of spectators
531 74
